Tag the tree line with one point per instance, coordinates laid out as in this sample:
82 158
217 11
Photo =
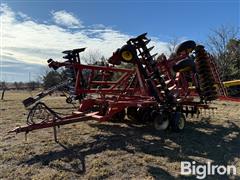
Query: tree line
32 85
224 45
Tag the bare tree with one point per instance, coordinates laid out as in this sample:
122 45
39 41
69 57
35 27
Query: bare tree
217 44
92 56
220 37
172 45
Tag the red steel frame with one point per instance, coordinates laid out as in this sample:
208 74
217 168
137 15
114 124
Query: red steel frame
117 99
118 95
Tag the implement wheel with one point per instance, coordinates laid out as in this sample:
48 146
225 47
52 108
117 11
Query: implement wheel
144 115
118 117
161 121
178 121
132 113
69 100
128 53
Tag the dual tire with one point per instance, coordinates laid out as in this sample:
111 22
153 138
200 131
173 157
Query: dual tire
164 120
161 120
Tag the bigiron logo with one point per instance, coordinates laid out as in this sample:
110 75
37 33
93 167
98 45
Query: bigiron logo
202 171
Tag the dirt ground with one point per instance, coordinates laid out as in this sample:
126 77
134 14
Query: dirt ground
92 150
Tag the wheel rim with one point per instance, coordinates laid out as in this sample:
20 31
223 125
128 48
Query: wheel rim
69 100
181 123
127 56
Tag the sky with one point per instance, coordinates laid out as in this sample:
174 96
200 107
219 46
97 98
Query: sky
34 31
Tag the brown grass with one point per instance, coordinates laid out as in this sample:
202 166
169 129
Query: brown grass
92 150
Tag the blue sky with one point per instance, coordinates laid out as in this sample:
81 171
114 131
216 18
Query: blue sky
36 30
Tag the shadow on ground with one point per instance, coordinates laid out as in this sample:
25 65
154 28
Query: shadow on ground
199 139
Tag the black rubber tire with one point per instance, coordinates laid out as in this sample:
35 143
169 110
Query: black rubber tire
161 122
188 62
69 100
118 117
140 112
145 115
132 113
178 121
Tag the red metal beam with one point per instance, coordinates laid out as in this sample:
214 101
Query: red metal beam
52 123
106 68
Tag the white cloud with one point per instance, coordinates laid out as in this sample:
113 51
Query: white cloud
23 16
66 19
7 15
28 41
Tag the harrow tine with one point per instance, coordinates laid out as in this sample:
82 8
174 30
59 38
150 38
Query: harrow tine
198 112
192 112
142 36
181 109
67 52
186 110
151 48
201 112
154 55
213 112
147 41
148 50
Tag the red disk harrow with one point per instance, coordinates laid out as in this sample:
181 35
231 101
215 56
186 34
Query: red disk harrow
158 90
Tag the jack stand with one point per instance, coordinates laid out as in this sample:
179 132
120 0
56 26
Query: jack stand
55 131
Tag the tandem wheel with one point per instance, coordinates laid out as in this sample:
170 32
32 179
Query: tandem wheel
178 121
161 121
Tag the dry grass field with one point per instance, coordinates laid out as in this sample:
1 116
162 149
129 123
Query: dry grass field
92 150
